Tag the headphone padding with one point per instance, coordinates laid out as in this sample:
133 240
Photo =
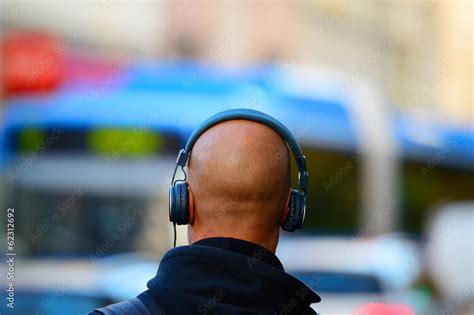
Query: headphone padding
179 204
296 212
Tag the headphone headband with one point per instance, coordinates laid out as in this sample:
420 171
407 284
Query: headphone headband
251 115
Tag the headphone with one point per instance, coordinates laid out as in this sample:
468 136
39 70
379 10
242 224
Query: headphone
178 192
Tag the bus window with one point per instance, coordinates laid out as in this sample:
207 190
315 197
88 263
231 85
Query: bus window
91 187
92 225
333 195
426 188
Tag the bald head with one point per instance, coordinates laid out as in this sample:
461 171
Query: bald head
239 178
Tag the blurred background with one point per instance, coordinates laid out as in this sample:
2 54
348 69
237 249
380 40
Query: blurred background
99 96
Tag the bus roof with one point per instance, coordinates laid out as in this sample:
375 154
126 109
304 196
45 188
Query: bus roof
176 98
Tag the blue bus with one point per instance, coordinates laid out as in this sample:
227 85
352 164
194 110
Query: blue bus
80 162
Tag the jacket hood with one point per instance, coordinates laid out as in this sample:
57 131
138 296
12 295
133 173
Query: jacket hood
199 279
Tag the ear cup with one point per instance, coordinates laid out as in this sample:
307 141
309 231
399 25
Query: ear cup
296 212
179 203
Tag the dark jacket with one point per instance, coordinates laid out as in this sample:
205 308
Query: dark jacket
226 276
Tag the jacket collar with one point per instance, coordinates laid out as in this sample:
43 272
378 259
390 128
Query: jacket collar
253 251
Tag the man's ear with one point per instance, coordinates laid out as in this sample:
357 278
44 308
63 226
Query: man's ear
191 207
285 211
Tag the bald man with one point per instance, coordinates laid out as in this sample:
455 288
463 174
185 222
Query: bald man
239 189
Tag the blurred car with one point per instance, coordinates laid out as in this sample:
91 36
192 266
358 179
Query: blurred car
54 302
353 289
449 257
52 286
350 273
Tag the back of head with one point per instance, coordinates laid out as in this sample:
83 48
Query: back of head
239 178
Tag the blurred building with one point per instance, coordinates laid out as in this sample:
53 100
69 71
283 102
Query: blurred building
418 52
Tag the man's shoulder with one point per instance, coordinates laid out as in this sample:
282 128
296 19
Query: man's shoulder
130 307
144 304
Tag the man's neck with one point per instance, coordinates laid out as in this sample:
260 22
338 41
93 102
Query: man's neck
269 242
